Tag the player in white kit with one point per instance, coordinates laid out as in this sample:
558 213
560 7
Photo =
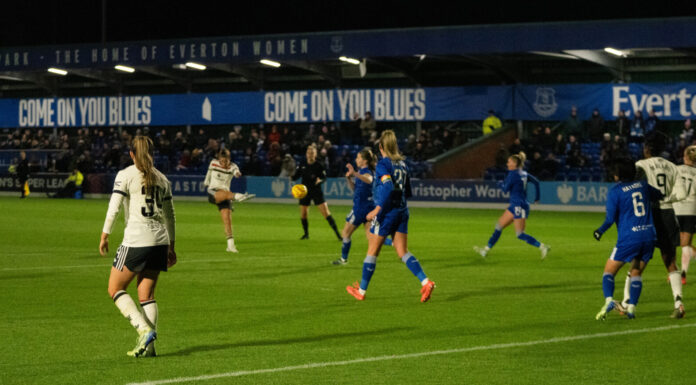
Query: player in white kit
148 241
221 171
684 197
662 175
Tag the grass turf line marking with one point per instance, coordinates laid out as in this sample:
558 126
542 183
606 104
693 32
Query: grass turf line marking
411 355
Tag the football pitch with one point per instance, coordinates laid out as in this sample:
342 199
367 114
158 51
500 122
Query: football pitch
278 312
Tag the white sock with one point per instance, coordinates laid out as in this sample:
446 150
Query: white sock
425 282
627 290
151 312
125 304
362 292
230 242
687 253
675 282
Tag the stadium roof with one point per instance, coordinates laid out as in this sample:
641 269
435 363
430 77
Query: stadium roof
559 52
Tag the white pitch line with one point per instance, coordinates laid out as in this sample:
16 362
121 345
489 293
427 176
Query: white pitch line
406 356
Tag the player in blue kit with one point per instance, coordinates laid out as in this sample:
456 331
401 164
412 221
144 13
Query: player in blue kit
390 217
628 205
362 199
516 184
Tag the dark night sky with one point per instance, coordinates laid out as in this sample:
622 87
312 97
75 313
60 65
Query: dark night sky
31 22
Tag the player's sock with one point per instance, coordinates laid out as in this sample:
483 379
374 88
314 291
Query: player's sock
529 239
675 282
608 285
636 288
413 265
388 241
687 253
496 235
332 223
150 312
125 304
368 269
305 226
345 249
627 290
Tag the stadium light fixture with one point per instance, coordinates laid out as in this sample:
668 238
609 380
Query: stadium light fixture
270 63
197 66
349 60
123 68
615 51
57 71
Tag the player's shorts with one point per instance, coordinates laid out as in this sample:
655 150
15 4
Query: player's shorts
357 215
667 229
519 211
628 252
687 223
315 195
222 205
390 223
137 259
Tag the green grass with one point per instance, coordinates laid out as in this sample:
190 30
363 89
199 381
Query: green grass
280 303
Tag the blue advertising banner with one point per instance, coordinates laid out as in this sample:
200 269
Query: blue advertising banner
547 102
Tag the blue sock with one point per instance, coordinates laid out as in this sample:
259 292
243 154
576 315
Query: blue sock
368 269
494 238
608 285
413 265
388 241
636 288
529 239
345 249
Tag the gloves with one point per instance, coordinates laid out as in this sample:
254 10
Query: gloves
597 235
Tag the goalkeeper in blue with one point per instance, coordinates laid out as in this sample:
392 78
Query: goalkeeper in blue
516 184
628 205
362 200
390 217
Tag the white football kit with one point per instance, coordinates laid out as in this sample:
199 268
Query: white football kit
149 215
661 174
218 177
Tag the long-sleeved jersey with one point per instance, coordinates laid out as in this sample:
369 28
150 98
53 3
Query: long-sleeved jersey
392 184
219 177
149 215
309 174
628 205
684 192
661 174
516 184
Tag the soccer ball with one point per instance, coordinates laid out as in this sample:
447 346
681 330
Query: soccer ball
299 191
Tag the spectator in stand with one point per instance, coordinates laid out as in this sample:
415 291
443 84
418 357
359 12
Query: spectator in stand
572 125
551 165
687 131
179 142
501 157
274 158
637 127
184 161
559 145
574 156
547 140
200 140
606 150
652 122
447 140
623 125
536 165
491 123
274 135
419 153
311 136
334 134
516 147
368 125
410 147
534 140
595 126
211 148
287 168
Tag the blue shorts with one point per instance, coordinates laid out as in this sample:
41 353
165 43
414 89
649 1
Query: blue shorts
519 210
356 216
628 252
390 223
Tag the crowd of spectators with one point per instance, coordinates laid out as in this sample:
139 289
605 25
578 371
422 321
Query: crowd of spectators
270 150
594 142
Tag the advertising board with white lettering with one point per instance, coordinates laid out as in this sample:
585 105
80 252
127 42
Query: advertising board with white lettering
38 182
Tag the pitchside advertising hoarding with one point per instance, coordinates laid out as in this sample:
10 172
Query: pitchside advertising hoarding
526 102
460 191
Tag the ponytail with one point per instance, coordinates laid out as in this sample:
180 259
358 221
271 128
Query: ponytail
370 158
519 158
690 153
141 147
388 144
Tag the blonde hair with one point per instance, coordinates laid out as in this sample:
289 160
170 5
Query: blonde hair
387 142
690 152
141 147
519 158
224 157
